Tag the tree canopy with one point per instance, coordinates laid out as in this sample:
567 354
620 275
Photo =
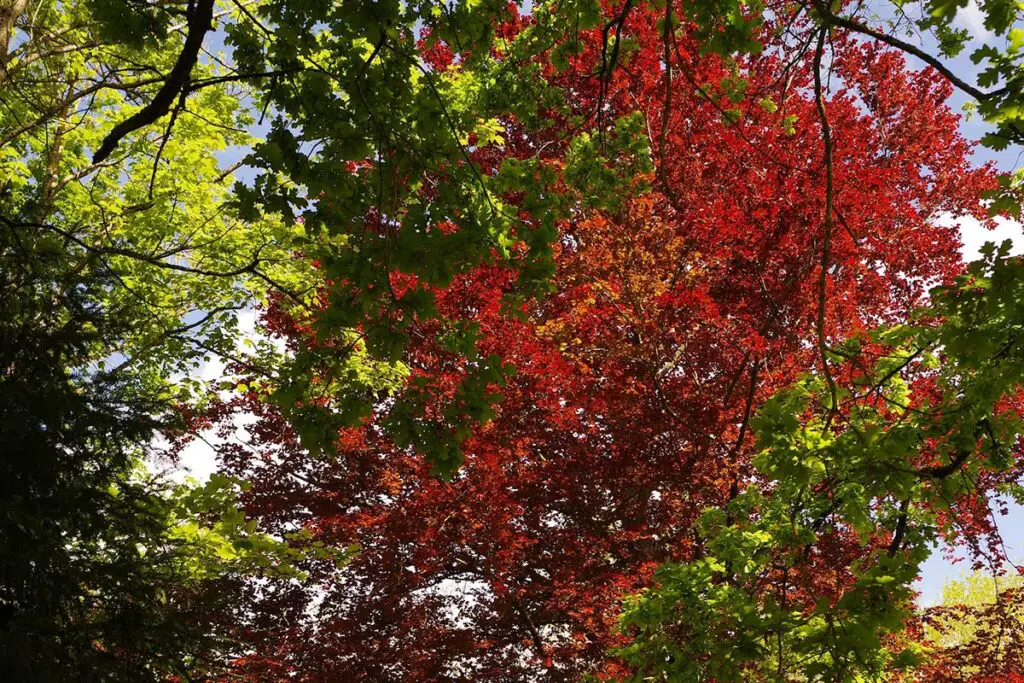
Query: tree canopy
596 340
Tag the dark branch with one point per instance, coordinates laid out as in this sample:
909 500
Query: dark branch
826 247
901 529
830 19
200 20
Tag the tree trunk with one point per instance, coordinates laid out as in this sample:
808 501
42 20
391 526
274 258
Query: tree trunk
10 10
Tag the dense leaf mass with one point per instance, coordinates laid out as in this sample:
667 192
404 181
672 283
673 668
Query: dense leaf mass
594 340
676 310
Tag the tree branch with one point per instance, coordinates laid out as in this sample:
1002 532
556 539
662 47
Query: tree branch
826 247
200 20
830 19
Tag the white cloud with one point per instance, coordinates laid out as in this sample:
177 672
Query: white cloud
198 460
212 369
972 19
973 234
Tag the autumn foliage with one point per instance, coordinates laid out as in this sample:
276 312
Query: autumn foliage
675 312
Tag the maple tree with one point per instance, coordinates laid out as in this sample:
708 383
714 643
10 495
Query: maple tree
743 265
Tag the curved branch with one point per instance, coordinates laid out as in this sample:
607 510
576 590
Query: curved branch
901 528
200 21
830 19
9 12
608 62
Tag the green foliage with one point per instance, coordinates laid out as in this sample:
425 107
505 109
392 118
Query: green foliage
736 611
116 279
601 183
106 573
390 167
159 215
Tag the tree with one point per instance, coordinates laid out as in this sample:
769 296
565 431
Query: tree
368 176
684 225
814 562
679 306
975 632
107 572
115 276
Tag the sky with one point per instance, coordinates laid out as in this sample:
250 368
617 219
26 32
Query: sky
197 460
